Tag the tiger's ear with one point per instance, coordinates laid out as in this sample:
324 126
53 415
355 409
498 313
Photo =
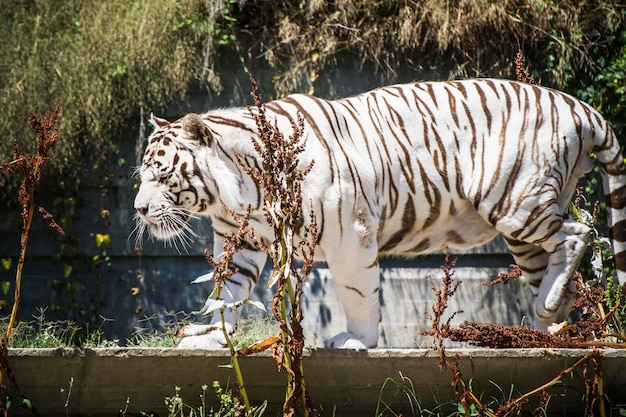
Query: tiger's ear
157 122
195 129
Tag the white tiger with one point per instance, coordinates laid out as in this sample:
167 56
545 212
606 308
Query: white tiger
402 170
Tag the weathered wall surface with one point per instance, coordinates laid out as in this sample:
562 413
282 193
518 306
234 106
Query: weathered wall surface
133 290
347 382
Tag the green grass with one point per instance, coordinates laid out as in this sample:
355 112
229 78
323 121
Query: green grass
254 329
40 333
43 333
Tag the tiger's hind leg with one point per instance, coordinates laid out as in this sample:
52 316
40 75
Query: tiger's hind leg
549 265
533 262
557 291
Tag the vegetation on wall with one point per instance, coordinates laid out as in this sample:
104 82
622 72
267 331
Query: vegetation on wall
104 61
469 38
109 61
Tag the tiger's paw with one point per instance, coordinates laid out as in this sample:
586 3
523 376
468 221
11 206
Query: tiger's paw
196 336
346 341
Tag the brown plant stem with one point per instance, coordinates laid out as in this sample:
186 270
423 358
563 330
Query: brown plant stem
588 356
30 167
20 265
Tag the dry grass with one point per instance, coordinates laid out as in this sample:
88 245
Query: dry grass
305 41
103 61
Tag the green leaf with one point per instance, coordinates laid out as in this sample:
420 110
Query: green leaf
256 304
6 263
6 286
103 239
67 270
27 403
182 24
210 306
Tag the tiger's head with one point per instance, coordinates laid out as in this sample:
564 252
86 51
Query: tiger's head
181 177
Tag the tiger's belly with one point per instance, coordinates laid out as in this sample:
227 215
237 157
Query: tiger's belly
463 230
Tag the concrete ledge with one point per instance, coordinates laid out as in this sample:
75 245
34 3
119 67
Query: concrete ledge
349 381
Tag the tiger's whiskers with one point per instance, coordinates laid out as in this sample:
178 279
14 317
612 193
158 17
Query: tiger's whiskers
138 231
175 226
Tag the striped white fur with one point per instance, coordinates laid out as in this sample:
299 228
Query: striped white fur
403 170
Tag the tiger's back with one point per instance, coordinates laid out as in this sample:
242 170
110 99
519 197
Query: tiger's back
407 169
435 156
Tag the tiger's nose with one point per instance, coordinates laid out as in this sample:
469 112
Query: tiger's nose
142 210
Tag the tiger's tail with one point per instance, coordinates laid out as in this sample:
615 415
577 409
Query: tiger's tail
611 160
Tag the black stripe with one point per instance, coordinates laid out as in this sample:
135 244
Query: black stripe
617 198
618 231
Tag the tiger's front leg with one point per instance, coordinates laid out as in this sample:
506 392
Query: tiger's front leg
249 263
357 278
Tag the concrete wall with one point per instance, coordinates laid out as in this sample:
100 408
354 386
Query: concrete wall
342 383
140 291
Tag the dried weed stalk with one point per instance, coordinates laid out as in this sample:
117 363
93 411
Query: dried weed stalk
588 332
498 336
505 277
522 70
29 166
280 178
440 330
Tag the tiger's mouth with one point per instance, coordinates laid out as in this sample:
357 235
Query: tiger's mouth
171 225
